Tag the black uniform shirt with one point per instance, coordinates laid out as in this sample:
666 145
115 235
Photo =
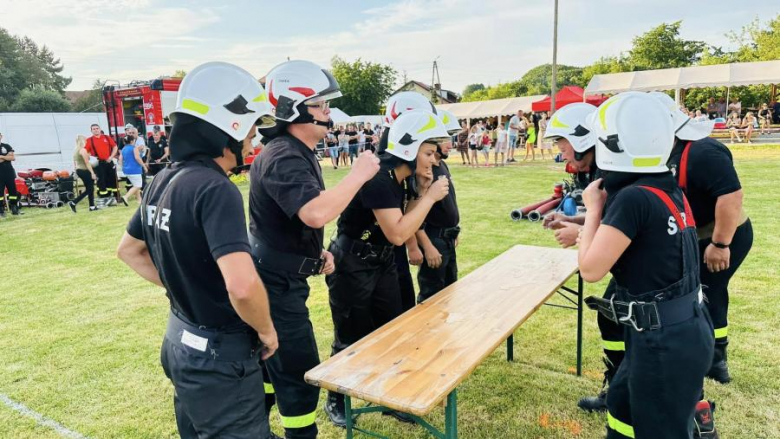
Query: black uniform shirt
157 149
381 192
444 213
5 149
653 260
350 134
284 177
711 174
199 218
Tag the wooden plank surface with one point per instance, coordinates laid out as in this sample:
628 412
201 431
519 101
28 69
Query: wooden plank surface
412 363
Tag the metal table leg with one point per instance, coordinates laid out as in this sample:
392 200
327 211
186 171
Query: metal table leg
580 295
510 348
451 416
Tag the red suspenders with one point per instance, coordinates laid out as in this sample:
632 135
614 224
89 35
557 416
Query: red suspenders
682 171
689 222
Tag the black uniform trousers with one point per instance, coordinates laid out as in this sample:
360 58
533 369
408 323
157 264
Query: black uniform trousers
7 182
612 336
716 285
364 295
89 187
655 390
405 282
106 174
297 353
432 280
217 393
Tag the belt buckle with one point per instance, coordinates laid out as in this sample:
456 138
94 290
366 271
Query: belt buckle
630 318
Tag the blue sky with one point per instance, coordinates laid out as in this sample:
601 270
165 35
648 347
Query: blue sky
476 41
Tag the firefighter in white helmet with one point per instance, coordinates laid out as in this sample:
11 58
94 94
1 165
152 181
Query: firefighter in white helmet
641 215
189 237
705 172
364 290
288 209
438 238
396 106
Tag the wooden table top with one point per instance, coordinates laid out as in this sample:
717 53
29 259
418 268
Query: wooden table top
413 362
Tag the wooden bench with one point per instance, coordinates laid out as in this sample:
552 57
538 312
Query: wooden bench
417 360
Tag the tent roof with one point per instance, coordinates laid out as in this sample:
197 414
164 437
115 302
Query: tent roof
720 75
567 95
495 107
338 116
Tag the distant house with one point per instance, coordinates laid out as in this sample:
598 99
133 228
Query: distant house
444 96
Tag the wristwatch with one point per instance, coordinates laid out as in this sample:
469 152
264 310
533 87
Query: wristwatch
720 245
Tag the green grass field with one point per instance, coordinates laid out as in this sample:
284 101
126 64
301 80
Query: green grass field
80 333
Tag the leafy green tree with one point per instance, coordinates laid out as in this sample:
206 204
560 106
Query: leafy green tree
661 47
471 88
26 66
39 101
365 85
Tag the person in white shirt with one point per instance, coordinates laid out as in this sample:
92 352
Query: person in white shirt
501 145
514 128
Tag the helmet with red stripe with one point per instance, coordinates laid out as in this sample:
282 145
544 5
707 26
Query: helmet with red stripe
405 101
293 84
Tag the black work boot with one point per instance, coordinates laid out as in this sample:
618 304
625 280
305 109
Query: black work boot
719 371
14 209
334 407
400 416
704 421
598 403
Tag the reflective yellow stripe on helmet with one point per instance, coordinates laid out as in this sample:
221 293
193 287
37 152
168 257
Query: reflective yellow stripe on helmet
619 426
556 123
722 332
262 97
603 112
390 146
647 162
189 104
613 345
299 421
445 119
269 388
428 126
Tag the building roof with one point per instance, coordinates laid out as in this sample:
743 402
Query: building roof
447 96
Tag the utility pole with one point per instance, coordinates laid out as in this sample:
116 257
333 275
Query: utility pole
435 82
555 60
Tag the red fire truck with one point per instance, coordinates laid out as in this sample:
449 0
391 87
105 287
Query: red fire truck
142 103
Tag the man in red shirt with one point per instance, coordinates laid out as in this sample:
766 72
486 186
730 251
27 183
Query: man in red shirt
104 148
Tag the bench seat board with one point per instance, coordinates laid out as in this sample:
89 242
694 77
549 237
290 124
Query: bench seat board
412 363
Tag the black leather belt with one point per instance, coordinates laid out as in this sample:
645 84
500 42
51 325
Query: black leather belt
206 343
268 257
442 232
647 316
364 250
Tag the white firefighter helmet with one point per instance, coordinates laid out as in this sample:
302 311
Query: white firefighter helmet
450 122
293 82
685 127
410 130
225 96
405 101
569 123
635 134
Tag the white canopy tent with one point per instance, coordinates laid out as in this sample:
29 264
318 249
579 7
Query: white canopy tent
492 108
339 116
719 75
373 120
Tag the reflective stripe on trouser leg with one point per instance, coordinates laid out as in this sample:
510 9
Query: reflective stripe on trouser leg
613 345
722 332
296 400
299 421
269 388
619 426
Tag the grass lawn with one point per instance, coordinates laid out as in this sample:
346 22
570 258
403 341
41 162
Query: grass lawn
80 333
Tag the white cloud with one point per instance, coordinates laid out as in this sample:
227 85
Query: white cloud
476 41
